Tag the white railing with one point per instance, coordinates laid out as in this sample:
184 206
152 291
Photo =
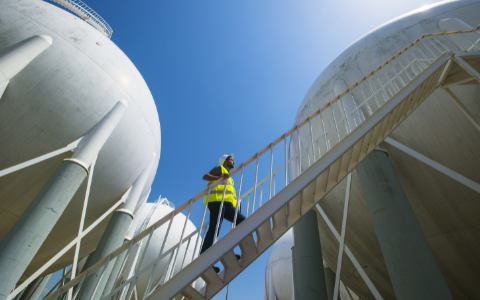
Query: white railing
86 13
164 201
337 119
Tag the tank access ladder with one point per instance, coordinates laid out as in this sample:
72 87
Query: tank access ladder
366 124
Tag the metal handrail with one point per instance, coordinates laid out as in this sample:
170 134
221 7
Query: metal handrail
86 13
418 55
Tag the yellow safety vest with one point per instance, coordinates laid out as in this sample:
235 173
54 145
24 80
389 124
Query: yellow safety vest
217 192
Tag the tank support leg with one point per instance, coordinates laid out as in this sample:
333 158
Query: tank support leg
409 259
308 275
330 282
34 289
23 240
19 56
3 84
119 261
112 238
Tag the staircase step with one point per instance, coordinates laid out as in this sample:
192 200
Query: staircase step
230 261
383 129
423 91
294 209
392 120
408 100
192 294
415 99
343 171
280 218
214 282
355 155
279 221
279 231
264 245
373 139
321 185
308 196
333 174
264 236
247 246
365 145
232 266
308 193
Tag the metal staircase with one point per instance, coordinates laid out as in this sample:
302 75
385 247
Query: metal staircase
353 125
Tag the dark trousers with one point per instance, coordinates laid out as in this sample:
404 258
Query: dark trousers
228 212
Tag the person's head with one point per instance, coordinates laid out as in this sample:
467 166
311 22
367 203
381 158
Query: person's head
227 161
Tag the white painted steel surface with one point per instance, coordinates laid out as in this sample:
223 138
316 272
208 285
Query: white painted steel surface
21 54
56 99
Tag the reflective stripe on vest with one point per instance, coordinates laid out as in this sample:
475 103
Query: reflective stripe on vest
216 193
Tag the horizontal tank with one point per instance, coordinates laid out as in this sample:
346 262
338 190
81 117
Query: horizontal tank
446 210
55 100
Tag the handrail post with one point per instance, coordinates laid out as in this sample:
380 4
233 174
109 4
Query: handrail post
255 185
239 202
271 170
285 157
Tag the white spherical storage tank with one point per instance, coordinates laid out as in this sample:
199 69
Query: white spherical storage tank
446 209
278 273
56 99
165 265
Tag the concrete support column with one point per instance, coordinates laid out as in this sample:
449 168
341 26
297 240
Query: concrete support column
114 272
112 238
26 236
34 289
23 240
109 285
330 281
308 274
409 259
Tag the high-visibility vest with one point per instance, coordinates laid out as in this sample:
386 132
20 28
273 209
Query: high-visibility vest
216 193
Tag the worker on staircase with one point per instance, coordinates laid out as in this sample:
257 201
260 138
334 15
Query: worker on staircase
226 163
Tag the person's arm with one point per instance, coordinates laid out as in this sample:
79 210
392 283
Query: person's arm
210 176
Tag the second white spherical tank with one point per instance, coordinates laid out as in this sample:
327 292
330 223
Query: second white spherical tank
158 241
278 273
446 209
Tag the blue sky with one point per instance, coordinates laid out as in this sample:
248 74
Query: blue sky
229 76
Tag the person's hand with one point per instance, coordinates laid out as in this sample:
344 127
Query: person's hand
224 176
